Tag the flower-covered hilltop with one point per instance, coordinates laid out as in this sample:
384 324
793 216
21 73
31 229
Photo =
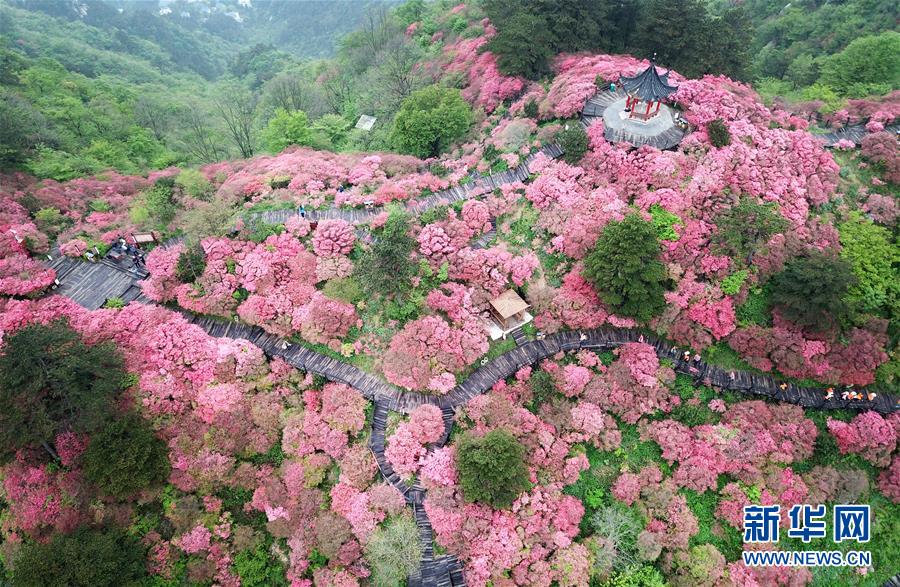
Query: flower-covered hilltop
138 438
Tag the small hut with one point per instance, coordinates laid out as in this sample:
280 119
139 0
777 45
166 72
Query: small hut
509 310
646 91
143 238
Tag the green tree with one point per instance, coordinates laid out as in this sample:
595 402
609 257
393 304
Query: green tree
492 468
394 552
874 255
523 46
126 457
574 142
625 268
718 133
388 268
84 558
191 264
869 65
812 290
430 120
258 568
745 227
285 129
160 201
51 382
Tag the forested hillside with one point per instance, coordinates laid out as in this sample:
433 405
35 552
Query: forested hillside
89 85
523 331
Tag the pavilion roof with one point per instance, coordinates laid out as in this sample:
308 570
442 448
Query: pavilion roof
648 85
508 304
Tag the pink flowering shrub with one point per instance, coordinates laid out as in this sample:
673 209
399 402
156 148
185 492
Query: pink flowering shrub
889 480
869 435
73 248
430 349
21 275
333 237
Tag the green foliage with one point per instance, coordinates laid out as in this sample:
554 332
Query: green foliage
625 268
191 264
664 222
755 309
492 468
523 45
430 120
51 382
869 65
387 268
394 552
542 388
530 109
811 290
260 230
160 201
114 303
617 528
745 227
345 289
126 457
726 539
574 142
718 133
644 576
194 184
333 128
874 255
84 558
258 568
690 39
285 129
51 221
732 284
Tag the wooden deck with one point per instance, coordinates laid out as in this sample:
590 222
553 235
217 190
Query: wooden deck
597 105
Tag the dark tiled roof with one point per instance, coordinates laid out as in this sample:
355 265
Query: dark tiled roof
648 85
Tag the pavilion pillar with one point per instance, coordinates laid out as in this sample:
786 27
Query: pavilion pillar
647 112
655 112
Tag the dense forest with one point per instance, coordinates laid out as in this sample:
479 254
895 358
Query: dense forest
90 85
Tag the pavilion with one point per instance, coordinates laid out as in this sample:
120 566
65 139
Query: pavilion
508 311
646 88
633 110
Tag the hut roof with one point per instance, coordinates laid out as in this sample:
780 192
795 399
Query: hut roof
509 304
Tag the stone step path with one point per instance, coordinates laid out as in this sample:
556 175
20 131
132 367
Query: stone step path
91 284
519 336
484 241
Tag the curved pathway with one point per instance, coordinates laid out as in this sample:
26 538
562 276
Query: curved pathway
447 570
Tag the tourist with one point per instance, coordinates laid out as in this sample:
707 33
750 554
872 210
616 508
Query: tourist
302 211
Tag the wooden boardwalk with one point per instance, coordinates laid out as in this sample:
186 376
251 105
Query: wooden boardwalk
855 134
84 283
478 185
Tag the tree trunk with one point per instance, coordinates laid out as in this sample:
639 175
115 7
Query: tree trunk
50 449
